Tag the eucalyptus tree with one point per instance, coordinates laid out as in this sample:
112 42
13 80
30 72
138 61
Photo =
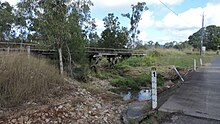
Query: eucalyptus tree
113 36
157 45
7 19
61 23
135 17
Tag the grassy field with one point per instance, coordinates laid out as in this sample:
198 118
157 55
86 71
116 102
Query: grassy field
134 72
182 59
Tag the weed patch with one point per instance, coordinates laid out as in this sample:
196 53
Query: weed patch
135 82
23 78
136 62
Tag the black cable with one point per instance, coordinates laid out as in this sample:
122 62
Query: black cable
176 14
168 8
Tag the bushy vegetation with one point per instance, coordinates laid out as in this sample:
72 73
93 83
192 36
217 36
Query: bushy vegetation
23 79
166 52
134 72
152 57
211 38
136 62
135 82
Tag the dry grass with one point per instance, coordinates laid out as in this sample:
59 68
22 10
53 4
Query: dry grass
23 78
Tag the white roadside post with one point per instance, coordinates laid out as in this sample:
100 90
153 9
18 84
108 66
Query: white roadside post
194 64
201 61
174 67
154 87
28 51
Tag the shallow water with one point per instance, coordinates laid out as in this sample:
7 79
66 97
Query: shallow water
142 95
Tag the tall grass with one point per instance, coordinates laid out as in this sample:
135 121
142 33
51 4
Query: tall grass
136 62
23 78
180 58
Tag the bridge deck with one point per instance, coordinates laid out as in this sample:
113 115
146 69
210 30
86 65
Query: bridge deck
91 51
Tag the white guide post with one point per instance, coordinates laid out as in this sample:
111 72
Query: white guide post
154 87
201 61
194 65
174 67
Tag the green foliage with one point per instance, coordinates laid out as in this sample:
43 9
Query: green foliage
160 80
169 45
135 82
93 40
166 52
134 18
177 58
154 53
211 38
183 45
157 45
7 18
136 61
133 61
61 24
113 36
81 73
125 83
103 75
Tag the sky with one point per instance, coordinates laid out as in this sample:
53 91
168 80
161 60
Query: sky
160 24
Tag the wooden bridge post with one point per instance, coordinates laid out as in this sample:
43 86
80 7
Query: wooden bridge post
98 59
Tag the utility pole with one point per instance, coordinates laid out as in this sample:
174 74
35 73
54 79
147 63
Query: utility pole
202 37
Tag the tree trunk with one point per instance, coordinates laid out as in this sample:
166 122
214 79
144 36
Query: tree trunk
70 60
60 60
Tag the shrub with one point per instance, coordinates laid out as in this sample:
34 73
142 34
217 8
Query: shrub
81 73
136 62
136 82
154 53
133 61
148 60
23 78
105 75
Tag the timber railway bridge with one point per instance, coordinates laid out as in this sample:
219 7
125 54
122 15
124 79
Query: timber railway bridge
94 54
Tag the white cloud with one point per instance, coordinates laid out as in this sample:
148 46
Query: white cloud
185 24
143 36
100 24
186 20
11 2
147 20
167 2
212 16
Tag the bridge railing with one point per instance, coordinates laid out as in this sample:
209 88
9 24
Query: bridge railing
16 45
112 51
109 50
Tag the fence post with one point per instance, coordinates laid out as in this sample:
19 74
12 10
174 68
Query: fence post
28 51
